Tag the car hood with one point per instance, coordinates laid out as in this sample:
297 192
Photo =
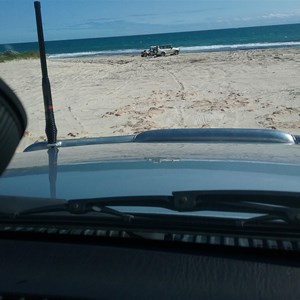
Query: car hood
153 169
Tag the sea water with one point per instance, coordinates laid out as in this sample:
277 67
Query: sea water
195 41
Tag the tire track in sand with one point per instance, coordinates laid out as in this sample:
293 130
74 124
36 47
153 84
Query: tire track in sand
181 93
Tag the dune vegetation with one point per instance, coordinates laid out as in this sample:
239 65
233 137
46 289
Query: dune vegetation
12 55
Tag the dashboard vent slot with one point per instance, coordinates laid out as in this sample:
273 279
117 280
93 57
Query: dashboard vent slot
243 242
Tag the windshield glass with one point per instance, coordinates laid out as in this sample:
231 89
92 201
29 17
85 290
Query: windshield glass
118 68
236 68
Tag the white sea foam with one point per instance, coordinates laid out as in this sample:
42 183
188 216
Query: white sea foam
94 53
183 49
239 46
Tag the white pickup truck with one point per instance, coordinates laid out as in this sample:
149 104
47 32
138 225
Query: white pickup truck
161 50
167 50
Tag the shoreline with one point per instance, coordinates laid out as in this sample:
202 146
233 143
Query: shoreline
137 52
126 94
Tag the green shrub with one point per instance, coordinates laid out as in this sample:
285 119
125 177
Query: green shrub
11 55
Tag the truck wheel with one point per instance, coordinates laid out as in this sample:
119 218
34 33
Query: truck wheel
176 52
163 54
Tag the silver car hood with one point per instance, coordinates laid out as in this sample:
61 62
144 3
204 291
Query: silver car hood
154 169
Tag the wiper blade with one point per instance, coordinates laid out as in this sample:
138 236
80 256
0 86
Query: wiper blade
283 206
270 205
78 208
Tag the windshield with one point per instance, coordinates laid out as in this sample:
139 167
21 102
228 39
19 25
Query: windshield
236 68
120 68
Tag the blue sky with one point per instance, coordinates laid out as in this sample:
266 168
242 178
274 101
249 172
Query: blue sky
72 19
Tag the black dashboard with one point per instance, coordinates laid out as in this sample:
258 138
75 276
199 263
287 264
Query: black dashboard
99 264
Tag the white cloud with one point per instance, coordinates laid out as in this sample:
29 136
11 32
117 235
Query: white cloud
293 14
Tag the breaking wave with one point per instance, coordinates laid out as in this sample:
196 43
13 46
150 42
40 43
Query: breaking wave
183 49
240 46
94 53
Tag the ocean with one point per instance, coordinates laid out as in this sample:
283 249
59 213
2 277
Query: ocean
195 41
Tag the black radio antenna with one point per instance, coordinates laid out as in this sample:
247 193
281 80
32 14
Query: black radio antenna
51 130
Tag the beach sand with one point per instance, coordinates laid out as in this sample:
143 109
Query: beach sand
117 95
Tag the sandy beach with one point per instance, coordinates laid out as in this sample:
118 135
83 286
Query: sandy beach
116 95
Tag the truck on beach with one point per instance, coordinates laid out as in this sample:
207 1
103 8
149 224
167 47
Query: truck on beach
161 50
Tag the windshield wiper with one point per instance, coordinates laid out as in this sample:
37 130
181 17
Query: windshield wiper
16 206
76 207
271 206
284 206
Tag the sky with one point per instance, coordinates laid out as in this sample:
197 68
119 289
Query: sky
75 19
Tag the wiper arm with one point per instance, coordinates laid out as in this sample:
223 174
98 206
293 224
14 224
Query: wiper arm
283 206
273 205
78 208
290 215
83 206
